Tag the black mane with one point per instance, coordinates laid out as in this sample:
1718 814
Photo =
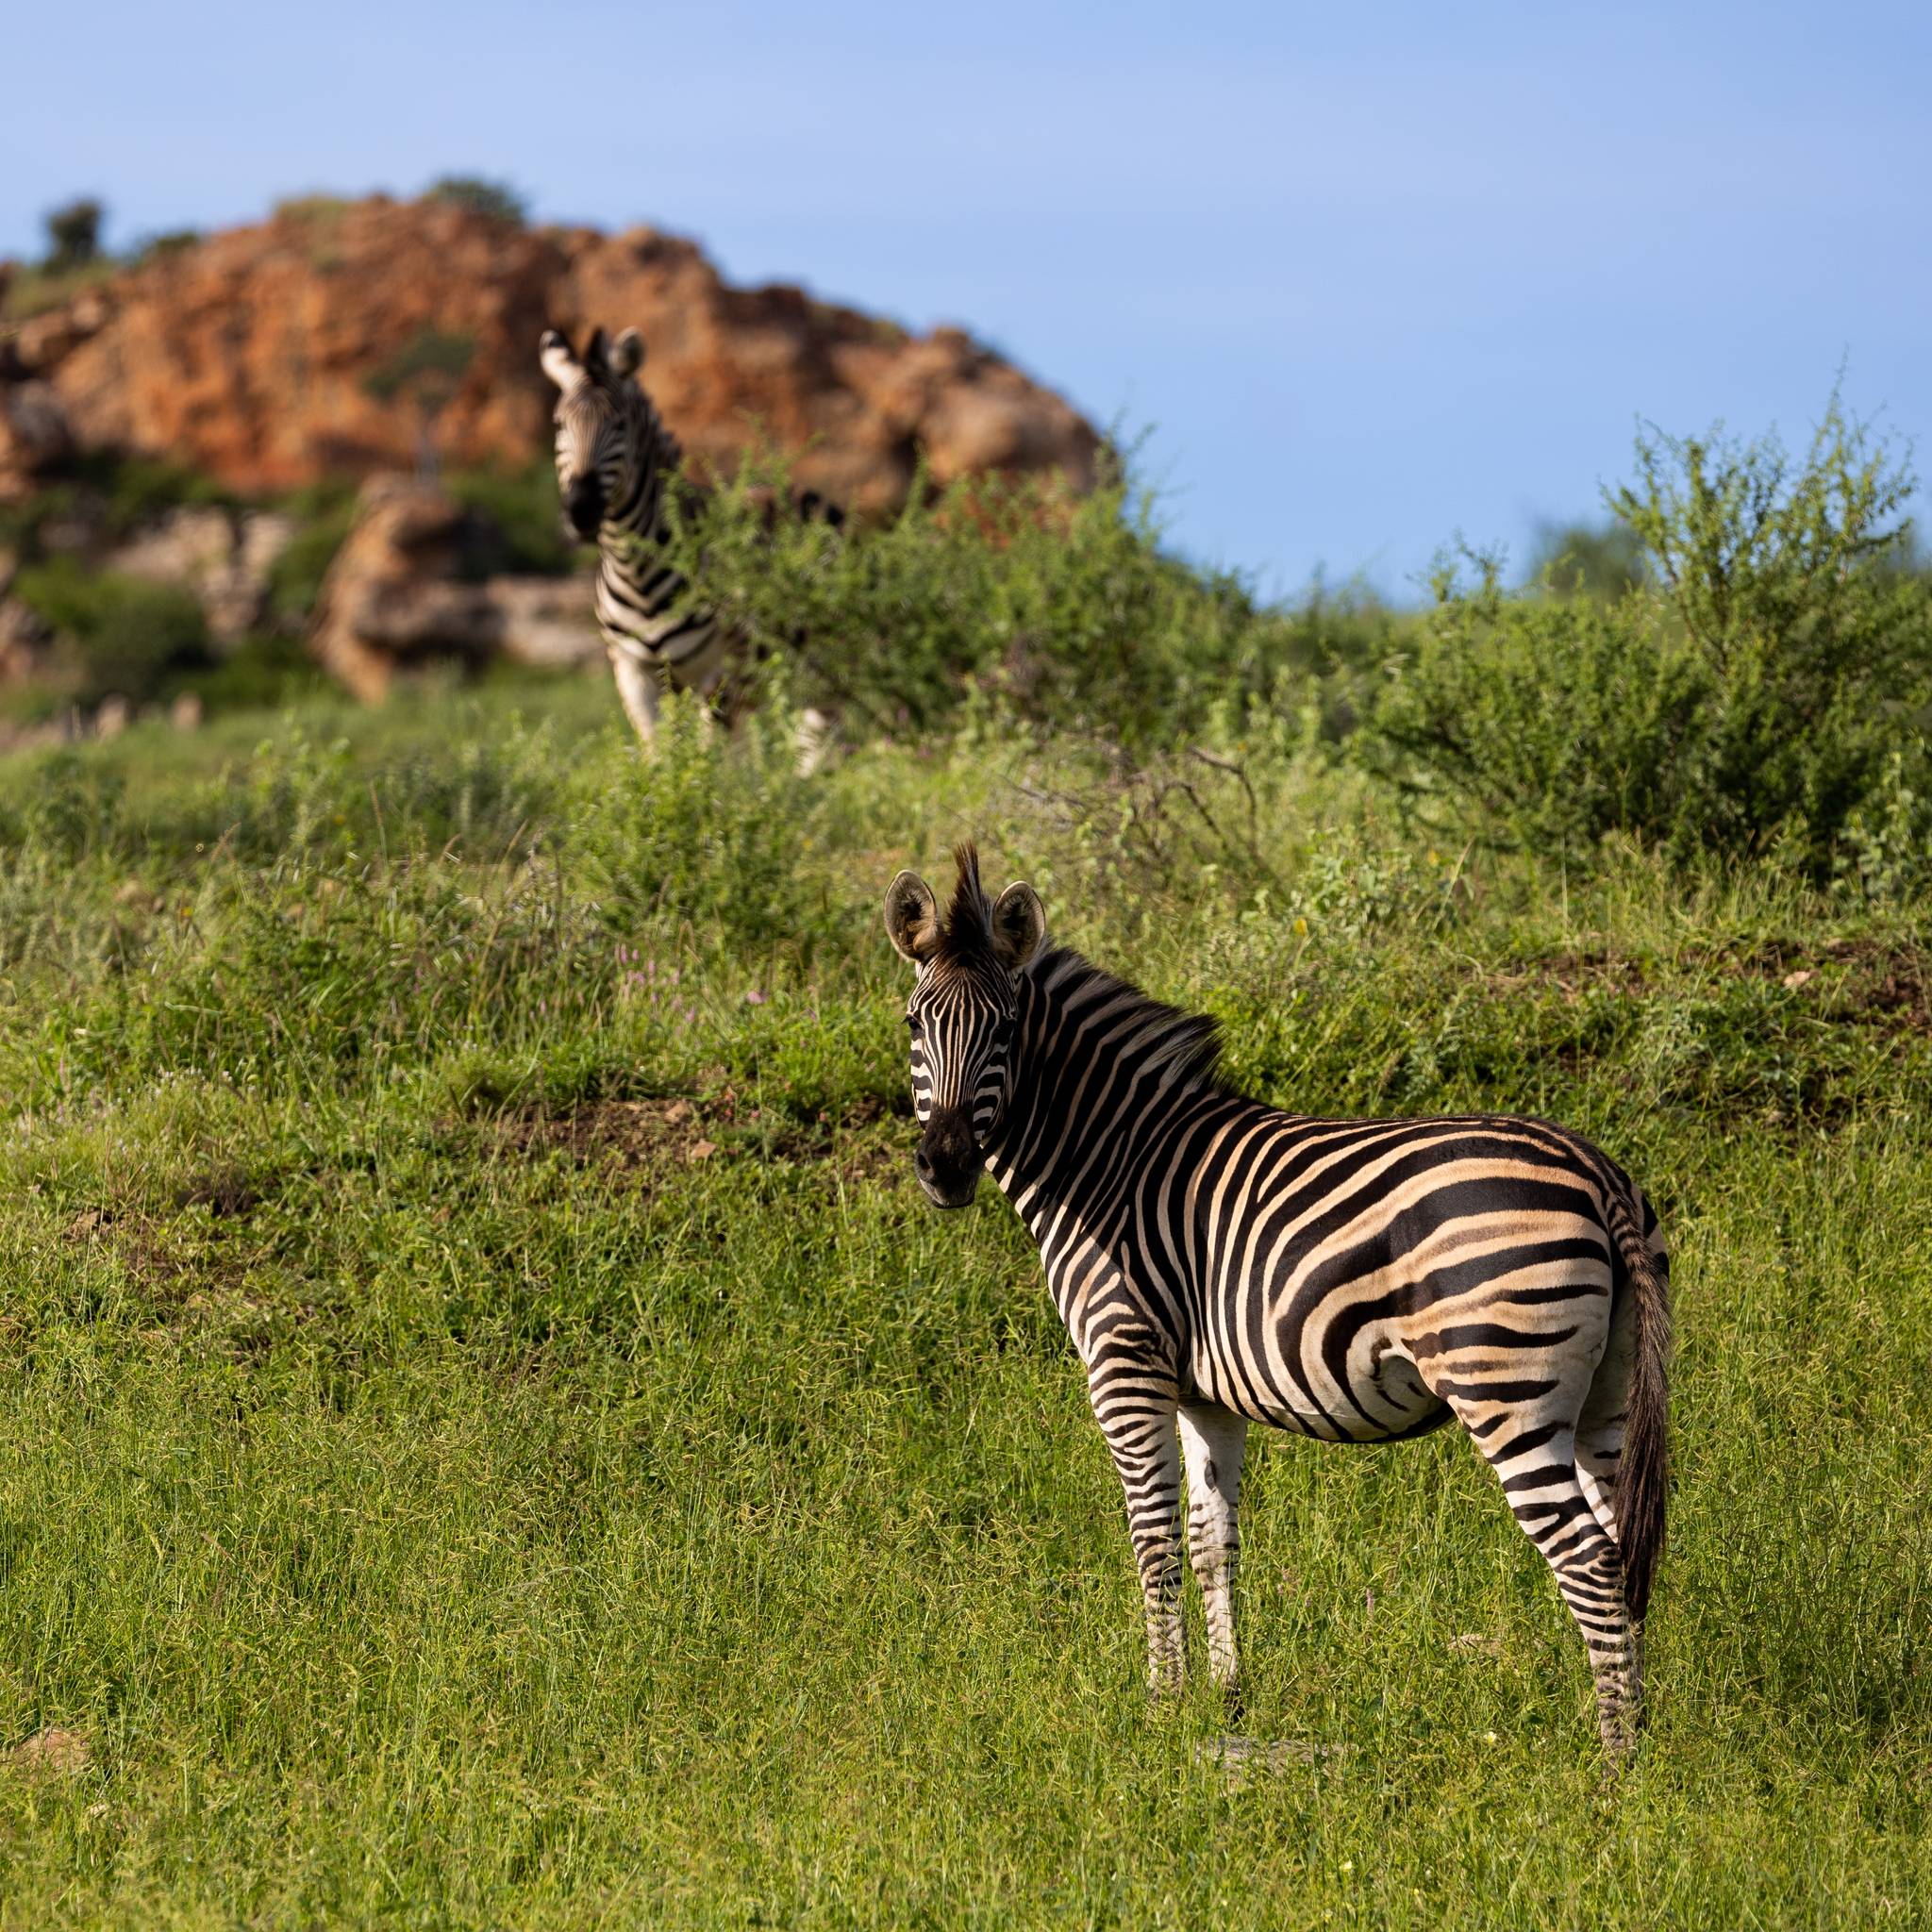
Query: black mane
1187 1044
966 927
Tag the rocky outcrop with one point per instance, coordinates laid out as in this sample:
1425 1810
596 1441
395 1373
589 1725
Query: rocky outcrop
224 559
35 435
408 586
23 639
272 356
550 623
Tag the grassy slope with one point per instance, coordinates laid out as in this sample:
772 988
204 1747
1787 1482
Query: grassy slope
441 1491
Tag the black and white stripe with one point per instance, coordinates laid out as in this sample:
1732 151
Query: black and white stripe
614 462
1219 1263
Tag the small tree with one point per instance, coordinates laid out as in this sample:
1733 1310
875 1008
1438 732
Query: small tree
1586 559
1750 547
1784 574
427 370
1763 689
74 235
497 199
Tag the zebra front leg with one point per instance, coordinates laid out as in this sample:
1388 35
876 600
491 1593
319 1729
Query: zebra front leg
637 690
1213 1443
1139 1424
812 739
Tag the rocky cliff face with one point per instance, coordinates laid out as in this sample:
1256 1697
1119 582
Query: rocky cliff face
260 356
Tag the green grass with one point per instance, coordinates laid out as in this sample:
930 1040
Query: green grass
441 1492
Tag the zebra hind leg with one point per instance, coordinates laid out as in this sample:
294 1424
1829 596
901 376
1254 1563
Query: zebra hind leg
1138 1425
1535 1459
1212 1442
1599 1449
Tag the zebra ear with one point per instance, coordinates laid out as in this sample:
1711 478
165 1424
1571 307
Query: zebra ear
1019 925
628 354
912 918
554 354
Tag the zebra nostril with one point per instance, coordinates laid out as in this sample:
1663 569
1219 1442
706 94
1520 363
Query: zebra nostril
921 1161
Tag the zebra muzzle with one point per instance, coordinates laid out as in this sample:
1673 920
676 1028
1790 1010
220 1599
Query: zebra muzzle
947 1159
583 503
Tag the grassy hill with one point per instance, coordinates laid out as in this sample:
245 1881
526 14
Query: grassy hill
494 1436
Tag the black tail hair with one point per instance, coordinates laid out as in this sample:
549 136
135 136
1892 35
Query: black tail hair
1643 1470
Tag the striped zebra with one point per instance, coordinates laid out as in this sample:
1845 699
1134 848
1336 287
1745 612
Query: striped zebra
614 460
1218 1262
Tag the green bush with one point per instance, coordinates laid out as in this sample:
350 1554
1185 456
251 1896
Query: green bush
74 235
1552 721
260 673
495 199
170 241
322 209
107 491
323 514
705 830
1782 578
129 638
1768 687
139 488
1593 559
526 522
1020 596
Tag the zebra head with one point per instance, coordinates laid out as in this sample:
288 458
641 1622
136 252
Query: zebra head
598 411
962 1015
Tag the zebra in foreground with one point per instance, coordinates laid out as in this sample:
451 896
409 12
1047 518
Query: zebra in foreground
1218 1262
614 460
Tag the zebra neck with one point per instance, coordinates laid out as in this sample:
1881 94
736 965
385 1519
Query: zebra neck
1099 1071
640 515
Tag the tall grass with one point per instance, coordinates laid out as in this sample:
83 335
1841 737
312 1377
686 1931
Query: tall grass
493 1436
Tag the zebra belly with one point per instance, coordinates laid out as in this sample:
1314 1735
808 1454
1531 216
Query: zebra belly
1387 1402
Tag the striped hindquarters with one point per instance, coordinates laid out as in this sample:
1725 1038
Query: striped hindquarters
1357 1280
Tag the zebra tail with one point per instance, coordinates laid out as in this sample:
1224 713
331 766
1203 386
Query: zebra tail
1641 1470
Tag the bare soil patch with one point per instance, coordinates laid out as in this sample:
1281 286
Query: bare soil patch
1869 981
53 1752
647 1136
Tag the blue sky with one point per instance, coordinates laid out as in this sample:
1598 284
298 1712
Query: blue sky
1371 276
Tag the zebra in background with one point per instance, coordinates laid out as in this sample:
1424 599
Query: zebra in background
614 460
1218 1263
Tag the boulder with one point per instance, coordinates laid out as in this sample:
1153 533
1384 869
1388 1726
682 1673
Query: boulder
35 435
393 593
225 559
409 588
550 623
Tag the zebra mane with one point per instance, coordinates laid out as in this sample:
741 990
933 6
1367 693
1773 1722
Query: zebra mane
1184 1046
966 928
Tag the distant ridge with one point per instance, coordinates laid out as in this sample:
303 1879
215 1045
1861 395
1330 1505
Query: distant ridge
256 355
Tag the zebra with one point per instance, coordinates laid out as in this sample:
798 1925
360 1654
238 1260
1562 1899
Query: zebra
1218 1262
614 460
